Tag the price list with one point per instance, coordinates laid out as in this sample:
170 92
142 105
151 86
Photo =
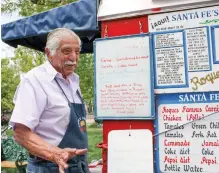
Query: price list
189 136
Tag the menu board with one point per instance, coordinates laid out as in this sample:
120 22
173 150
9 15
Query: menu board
186 50
215 42
198 49
123 78
187 132
170 60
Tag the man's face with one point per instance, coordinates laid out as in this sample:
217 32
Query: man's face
65 60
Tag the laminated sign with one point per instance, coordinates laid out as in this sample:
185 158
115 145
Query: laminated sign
186 70
186 50
124 78
187 132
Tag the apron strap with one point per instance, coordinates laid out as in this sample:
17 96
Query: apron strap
63 91
77 92
79 95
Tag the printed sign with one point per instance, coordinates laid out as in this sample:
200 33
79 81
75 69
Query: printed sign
198 53
184 19
170 60
187 132
215 36
124 78
136 157
185 49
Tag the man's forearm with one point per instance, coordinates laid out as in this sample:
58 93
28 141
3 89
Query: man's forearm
38 147
33 143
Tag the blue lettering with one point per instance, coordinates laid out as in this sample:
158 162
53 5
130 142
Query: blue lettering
191 15
208 13
185 16
216 12
196 15
173 18
179 17
203 13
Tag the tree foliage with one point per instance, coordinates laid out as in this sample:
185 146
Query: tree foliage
11 70
85 70
9 82
30 7
25 59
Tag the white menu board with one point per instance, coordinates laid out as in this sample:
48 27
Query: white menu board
187 132
123 78
186 52
136 157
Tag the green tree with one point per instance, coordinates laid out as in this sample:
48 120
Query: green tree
25 59
11 69
85 70
9 82
30 7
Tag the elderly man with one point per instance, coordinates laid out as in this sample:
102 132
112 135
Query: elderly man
49 114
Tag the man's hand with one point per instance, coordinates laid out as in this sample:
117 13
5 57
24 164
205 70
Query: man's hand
40 148
61 156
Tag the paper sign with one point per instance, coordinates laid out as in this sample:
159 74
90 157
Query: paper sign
130 151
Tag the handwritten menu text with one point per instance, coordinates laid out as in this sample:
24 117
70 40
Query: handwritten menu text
124 82
123 98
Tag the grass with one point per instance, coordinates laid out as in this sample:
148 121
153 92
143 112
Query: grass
9 170
94 137
9 132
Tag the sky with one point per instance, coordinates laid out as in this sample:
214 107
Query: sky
6 50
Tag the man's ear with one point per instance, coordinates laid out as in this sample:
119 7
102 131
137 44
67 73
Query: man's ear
47 52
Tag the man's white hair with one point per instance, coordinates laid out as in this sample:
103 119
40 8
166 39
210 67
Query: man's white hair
54 38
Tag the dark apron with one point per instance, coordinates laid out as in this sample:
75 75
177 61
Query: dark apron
75 137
